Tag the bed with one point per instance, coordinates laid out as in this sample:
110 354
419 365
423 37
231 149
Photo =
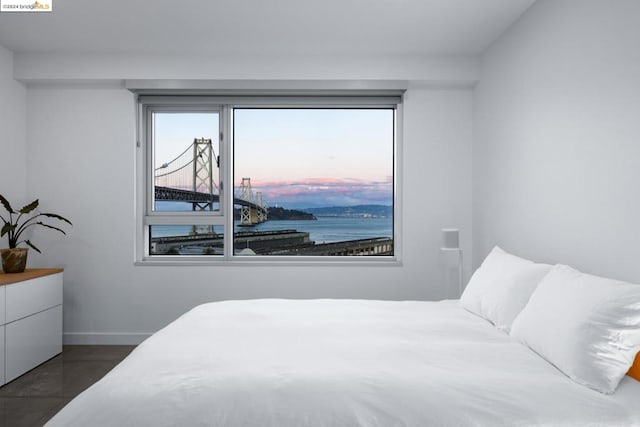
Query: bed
332 363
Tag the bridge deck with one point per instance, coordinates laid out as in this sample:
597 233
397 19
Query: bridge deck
188 196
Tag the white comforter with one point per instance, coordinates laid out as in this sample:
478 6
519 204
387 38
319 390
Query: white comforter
318 363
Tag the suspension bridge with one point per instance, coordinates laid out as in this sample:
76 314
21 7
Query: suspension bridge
189 178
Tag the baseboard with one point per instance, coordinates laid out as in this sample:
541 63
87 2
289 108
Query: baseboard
104 338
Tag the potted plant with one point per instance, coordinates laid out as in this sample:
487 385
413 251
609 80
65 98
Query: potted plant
14 259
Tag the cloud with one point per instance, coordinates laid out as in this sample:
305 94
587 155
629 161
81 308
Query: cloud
317 192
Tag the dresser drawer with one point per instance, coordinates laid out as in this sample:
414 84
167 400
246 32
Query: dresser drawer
2 378
3 316
31 341
32 296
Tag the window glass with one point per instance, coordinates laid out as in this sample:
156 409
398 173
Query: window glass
313 181
186 174
186 240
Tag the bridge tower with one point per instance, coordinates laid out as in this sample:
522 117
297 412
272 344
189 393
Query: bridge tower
203 171
262 212
202 179
245 211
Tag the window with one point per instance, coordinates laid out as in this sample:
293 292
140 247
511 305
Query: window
311 178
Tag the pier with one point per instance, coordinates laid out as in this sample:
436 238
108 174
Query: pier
276 242
373 246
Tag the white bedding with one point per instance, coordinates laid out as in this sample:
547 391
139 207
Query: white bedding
281 363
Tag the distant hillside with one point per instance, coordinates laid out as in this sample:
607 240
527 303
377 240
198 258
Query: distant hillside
358 211
279 213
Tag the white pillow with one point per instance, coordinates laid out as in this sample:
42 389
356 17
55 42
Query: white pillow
501 287
586 326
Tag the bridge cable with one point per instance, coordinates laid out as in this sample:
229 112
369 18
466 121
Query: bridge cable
164 165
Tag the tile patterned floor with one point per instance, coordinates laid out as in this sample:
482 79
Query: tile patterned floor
33 398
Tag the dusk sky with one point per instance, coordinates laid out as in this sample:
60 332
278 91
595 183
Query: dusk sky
298 157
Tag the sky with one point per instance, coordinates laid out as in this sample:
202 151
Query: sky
298 158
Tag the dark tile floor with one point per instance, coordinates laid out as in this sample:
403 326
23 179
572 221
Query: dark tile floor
33 398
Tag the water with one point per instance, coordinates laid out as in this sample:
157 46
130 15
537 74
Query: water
324 230
332 229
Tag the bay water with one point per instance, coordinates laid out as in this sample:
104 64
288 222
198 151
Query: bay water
323 230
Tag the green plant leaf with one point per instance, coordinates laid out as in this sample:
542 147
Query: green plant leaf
6 228
31 244
56 216
14 227
31 206
52 227
6 204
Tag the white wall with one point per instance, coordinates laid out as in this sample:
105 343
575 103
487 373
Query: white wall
556 153
13 149
33 67
81 163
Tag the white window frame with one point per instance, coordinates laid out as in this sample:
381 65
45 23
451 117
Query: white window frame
147 104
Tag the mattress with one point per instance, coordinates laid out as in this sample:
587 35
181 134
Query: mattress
328 363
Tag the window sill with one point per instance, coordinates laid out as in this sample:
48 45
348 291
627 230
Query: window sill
271 261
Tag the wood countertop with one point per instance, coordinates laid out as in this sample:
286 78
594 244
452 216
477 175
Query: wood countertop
29 273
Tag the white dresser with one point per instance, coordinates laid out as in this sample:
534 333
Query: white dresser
30 320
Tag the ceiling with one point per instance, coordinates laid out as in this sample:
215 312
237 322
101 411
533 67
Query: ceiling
269 27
